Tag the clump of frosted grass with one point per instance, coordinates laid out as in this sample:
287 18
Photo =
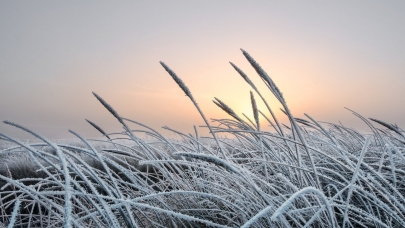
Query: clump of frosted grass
299 174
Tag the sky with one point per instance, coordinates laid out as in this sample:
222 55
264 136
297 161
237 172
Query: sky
323 55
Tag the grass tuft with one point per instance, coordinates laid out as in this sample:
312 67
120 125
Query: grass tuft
303 173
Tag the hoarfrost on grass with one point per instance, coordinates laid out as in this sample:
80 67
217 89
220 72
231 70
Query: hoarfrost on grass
300 174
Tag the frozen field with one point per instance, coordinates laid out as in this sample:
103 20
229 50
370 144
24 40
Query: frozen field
301 174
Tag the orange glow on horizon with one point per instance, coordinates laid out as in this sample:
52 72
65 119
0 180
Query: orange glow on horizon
323 57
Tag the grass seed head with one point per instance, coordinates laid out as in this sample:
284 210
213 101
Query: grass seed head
274 89
387 125
255 110
98 128
177 80
244 76
108 107
226 109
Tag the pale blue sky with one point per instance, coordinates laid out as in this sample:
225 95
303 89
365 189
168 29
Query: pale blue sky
323 56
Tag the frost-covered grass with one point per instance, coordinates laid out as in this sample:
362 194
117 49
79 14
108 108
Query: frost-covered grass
302 174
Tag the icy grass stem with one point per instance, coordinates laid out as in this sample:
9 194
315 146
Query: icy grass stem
354 178
298 194
14 214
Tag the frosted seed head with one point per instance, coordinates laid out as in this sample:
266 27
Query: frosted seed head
108 107
177 80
